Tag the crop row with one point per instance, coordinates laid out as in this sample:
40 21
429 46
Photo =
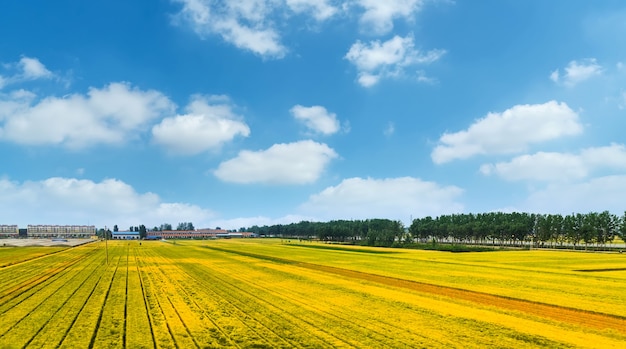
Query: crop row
223 294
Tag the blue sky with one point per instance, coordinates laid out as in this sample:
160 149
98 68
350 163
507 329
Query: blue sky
231 114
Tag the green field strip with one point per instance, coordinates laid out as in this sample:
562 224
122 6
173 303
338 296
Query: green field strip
258 293
179 336
163 337
415 320
338 316
516 282
12 256
234 323
277 322
286 316
319 296
211 333
50 320
56 335
580 316
112 319
417 339
21 282
84 325
15 313
139 333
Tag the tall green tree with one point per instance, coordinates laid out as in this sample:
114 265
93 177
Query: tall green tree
142 232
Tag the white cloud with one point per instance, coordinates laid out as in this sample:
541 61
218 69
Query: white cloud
540 167
317 118
243 23
257 25
511 131
379 15
321 10
109 115
595 195
33 69
577 72
209 123
286 163
392 198
551 166
78 201
26 69
377 60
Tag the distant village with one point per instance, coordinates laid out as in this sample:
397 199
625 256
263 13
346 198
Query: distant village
90 232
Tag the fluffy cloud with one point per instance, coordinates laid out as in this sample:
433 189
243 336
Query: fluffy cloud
511 131
316 118
379 15
33 69
393 198
25 70
577 72
320 9
77 201
241 23
252 24
377 60
109 115
209 123
544 166
286 163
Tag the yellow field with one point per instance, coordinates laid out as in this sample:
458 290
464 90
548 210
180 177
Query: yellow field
258 293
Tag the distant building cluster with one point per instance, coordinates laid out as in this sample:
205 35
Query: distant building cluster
198 234
48 231
9 231
89 231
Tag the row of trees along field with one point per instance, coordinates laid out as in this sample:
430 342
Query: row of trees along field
497 228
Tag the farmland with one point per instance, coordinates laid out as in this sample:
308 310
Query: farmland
257 293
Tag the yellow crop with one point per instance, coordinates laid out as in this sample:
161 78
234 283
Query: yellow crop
271 294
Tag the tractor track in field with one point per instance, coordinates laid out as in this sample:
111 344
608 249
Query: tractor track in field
585 318
145 301
153 285
106 296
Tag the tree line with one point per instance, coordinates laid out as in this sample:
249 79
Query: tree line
143 231
497 228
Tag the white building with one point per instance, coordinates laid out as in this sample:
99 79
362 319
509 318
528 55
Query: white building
63 231
9 231
125 235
